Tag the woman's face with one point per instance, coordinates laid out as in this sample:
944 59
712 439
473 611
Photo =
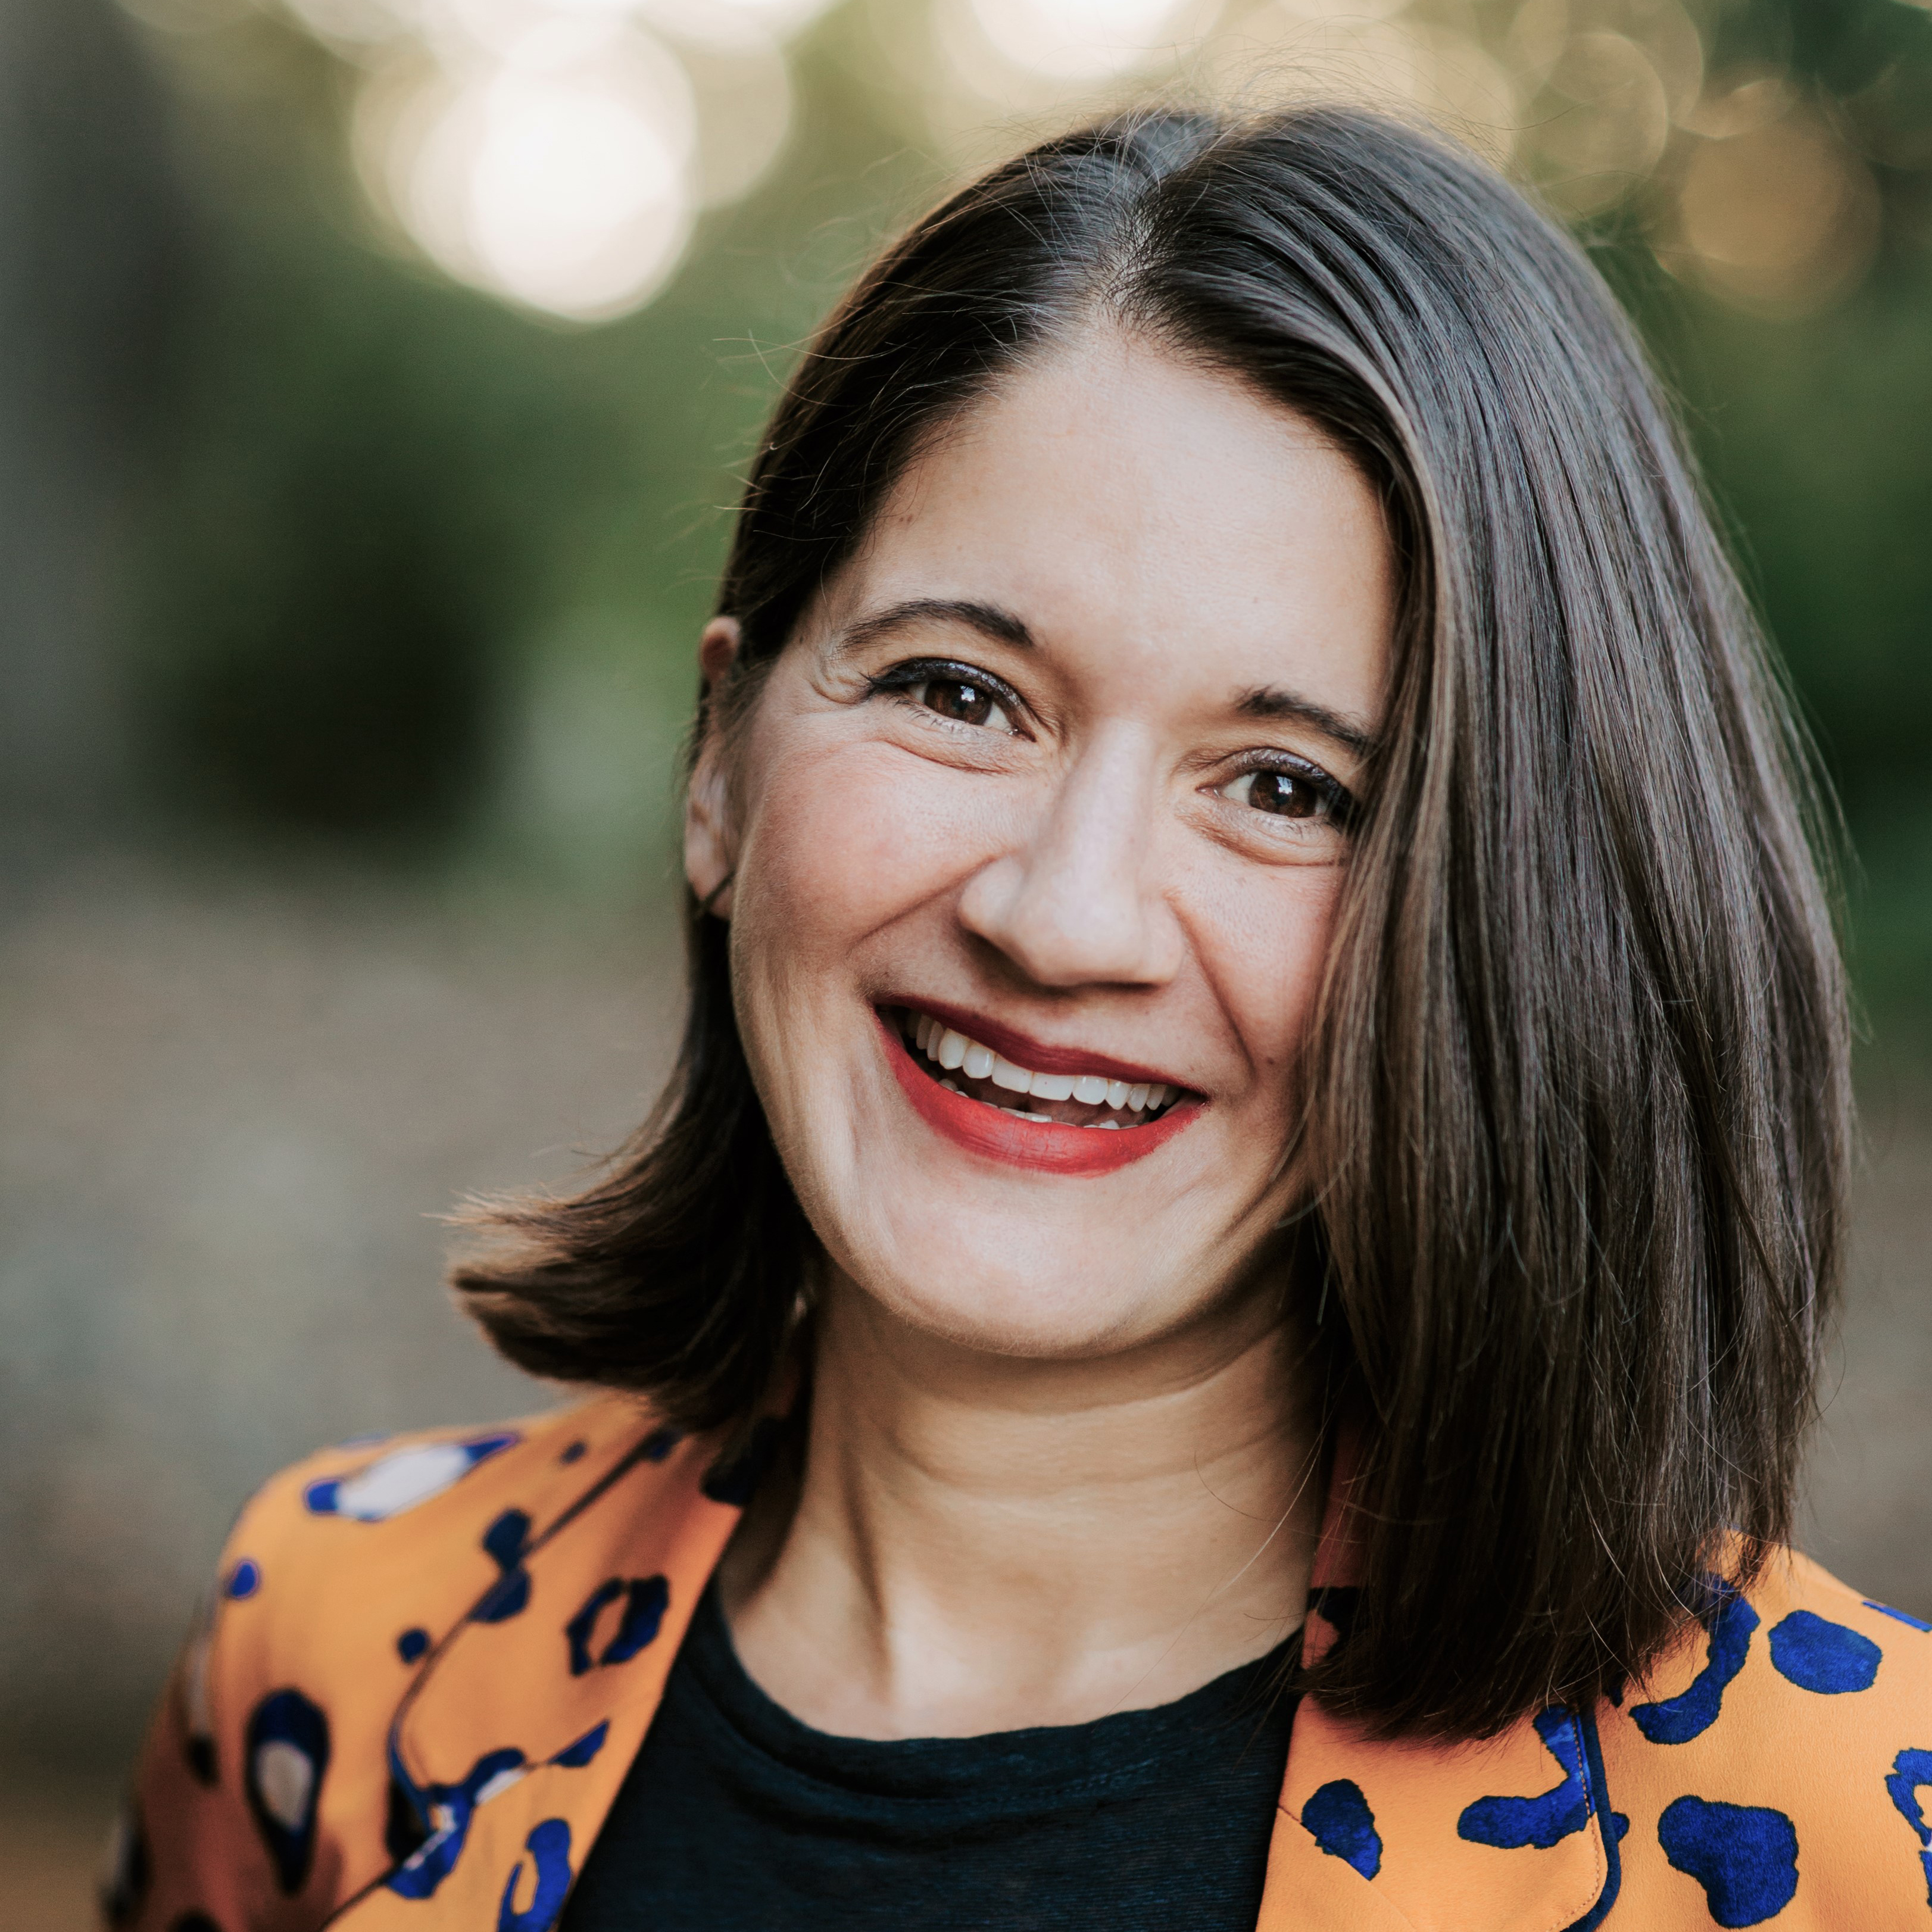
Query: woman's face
1035 836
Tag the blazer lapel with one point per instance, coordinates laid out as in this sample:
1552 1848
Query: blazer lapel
1505 1836
510 1748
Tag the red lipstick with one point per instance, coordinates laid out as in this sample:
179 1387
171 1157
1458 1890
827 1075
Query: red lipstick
1048 1147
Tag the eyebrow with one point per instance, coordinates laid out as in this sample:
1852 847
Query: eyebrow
988 619
1267 701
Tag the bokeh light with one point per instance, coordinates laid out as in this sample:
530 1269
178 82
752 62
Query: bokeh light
561 153
1780 216
557 175
557 152
1608 123
1076 40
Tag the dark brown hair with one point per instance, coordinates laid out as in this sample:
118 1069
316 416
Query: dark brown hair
1579 1093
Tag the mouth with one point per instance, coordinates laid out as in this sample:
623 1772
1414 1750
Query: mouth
1077 1114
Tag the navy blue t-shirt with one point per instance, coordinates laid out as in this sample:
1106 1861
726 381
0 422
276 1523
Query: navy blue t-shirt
736 1817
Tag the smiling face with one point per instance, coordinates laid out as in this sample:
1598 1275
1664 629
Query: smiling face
1035 836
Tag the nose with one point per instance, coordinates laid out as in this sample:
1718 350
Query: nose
1078 904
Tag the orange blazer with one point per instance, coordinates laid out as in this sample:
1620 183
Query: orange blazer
429 1662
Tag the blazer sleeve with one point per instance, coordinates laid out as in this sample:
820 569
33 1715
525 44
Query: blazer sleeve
263 1800
188 1855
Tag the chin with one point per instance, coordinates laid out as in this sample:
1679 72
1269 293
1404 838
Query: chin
1012 1321
1013 1261
1015 1301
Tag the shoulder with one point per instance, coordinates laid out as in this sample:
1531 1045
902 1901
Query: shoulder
1781 1753
363 1555
354 1497
266 1775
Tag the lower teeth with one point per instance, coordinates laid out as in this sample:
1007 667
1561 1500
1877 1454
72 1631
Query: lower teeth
1044 1119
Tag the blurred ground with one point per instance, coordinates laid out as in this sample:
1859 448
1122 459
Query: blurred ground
52 1837
229 1107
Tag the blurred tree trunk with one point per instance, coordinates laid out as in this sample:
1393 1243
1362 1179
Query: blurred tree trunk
91 239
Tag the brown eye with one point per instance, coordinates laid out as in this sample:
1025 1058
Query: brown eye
1282 794
963 701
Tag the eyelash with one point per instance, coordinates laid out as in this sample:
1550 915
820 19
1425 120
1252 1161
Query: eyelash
901 679
1343 809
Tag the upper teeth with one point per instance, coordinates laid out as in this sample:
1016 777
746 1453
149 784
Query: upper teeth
939 1042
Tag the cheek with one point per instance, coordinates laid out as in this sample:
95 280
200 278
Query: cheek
1263 944
844 840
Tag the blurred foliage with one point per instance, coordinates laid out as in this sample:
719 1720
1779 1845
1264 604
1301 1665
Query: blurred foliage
416 565
391 522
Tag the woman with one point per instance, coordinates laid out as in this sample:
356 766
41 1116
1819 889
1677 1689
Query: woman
1216 1328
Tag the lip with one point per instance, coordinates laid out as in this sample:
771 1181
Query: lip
1047 1147
1035 1055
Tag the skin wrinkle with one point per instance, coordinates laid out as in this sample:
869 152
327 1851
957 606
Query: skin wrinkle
1134 1696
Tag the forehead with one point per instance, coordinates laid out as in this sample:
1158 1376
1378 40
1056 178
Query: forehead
1132 508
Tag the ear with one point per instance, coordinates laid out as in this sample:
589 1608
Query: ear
710 838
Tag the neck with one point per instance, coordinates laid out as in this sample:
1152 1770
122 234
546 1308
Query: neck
978 1542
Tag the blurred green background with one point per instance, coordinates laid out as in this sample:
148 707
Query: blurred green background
374 375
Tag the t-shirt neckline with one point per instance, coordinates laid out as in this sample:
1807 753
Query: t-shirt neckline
1040 1759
